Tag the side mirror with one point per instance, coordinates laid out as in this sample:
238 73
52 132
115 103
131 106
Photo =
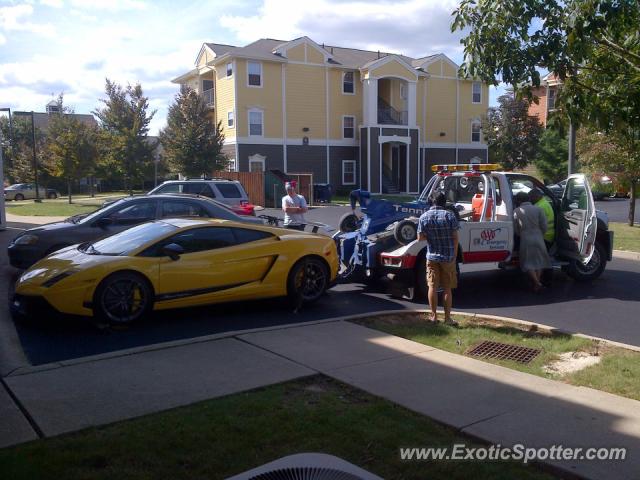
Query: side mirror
103 222
173 251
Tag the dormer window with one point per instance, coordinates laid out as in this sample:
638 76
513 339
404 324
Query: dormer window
229 69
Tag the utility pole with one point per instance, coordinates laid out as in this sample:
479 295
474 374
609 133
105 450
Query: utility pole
35 158
572 147
3 215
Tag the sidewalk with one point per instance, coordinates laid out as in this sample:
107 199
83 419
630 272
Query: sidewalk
486 401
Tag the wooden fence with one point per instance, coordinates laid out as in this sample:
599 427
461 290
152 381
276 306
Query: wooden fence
253 183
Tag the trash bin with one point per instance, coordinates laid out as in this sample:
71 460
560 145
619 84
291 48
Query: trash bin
322 192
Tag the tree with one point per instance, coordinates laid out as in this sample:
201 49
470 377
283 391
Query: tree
18 156
124 122
192 142
72 146
608 154
551 157
592 45
511 133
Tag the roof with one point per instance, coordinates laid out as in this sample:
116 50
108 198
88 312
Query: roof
41 120
265 48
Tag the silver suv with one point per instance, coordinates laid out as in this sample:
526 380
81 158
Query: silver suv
229 192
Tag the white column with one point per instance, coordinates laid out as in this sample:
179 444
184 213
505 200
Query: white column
411 104
370 101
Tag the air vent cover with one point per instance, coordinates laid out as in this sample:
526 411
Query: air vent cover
307 466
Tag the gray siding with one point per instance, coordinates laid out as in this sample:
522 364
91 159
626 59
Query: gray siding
308 159
364 136
337 155
413 161
375 160
274 154
433 156
465 155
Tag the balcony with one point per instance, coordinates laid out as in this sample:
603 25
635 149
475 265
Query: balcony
208 97
387 115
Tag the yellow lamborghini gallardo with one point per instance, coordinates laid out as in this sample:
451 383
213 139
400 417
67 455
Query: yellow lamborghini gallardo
178 263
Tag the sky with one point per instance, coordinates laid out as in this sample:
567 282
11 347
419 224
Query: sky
48 47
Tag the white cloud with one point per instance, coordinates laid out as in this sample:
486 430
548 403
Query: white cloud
109 5
410 27
52 3
12 19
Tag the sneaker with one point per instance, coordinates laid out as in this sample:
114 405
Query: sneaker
450 321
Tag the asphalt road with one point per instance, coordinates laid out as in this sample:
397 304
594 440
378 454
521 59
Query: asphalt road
618 209
607 308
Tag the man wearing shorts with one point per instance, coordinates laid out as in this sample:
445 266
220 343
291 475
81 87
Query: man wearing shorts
439 227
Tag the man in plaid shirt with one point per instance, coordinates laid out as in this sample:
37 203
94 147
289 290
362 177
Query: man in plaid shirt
439 227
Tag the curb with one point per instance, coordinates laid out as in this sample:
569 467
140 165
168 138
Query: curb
26 370
626 255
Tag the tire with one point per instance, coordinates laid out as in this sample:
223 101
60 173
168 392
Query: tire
405 232
348 223
591 271
308 280
18 197
52 195
120 290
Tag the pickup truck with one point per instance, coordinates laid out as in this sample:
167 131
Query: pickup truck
483 199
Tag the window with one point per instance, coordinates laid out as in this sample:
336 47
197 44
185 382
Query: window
348 126
254 71
348 85
244 235
475 131
348 172
476 95
231 166
551 99
255 123
229 190
256 165
202 239
229 69
170 188
198 189
207 85
403 91
172 209
132 213
230 119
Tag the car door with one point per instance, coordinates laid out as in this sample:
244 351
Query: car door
578 223
28 190
489 238
218 262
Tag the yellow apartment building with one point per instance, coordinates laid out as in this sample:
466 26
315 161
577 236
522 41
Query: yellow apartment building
352 118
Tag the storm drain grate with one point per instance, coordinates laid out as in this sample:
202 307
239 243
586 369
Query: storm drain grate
504 351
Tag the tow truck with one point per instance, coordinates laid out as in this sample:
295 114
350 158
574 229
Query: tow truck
482 197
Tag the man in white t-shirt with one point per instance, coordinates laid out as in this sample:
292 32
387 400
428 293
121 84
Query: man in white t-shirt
294 207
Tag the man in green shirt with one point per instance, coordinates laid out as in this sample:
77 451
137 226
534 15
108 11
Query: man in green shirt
537 198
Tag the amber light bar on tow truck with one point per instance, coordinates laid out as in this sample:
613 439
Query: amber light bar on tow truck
466 167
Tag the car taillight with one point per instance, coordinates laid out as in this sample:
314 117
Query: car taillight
403 261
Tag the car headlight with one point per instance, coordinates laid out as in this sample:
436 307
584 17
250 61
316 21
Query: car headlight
26 240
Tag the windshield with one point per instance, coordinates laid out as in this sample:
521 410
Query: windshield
124 242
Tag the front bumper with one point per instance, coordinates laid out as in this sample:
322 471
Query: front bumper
23 256
30 306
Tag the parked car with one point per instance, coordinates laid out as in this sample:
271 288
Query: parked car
36 243
229 192
27 191
176 263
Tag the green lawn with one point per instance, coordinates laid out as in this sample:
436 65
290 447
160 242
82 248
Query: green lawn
617 372
48 208
625 237
223 437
